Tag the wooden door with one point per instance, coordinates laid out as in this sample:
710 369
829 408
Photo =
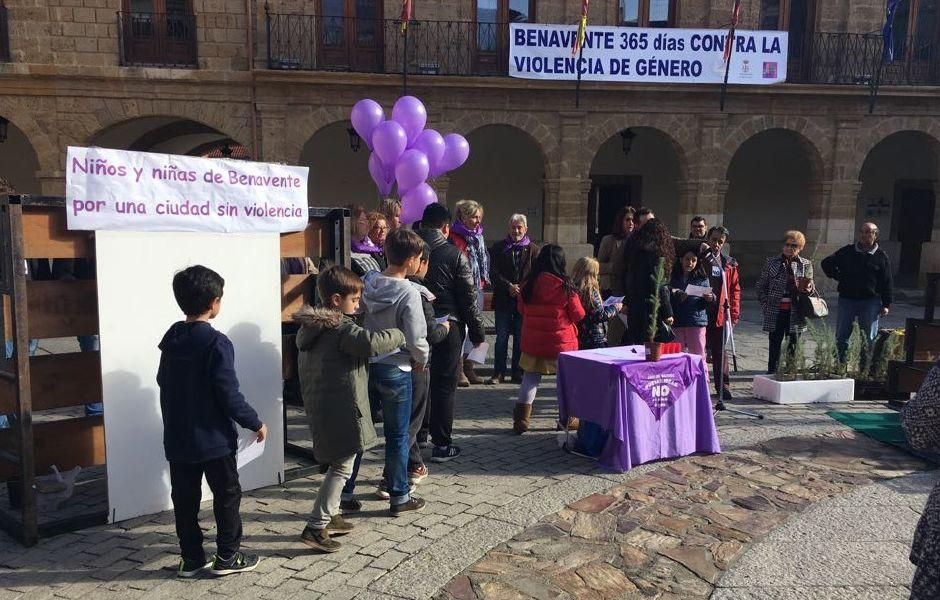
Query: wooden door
159 32
915 227
351 35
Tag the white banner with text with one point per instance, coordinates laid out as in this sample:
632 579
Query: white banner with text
652 55
145 191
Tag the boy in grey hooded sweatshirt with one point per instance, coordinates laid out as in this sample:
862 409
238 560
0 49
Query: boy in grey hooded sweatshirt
391 301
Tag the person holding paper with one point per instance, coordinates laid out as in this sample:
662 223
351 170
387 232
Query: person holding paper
512 262
467 234
592 329
782 280
551 310
201 403
332 365
689 305
726 285
645 248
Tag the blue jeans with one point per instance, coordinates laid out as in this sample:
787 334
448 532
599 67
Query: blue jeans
33 346
390 387
866 311
89 343
508 323
350 488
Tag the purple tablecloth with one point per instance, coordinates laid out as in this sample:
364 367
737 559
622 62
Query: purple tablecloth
653 410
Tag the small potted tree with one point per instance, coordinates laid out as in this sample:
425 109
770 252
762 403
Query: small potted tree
654 349
827 379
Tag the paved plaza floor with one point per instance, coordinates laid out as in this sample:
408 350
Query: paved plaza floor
796 506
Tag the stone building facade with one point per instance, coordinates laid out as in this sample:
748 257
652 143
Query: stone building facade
279 78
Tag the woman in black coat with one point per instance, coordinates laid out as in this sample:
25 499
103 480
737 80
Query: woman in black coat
642 254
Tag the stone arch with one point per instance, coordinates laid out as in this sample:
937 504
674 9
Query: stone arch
306 124
678 131
19 162
883 128
23 118
541 135
812 136
114 113
347 180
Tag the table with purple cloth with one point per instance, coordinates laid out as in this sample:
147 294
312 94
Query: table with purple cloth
652 410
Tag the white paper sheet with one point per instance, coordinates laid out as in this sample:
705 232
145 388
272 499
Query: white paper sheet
478 354
442 320
698 290
249 448
613 300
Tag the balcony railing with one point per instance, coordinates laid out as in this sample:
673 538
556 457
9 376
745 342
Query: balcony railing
856 59
4 34
157 39
318 43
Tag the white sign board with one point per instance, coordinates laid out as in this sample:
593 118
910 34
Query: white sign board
651 55
135 308
144 191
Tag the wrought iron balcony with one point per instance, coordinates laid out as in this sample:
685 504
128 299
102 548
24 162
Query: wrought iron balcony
318 43
157 39
856 59
4 34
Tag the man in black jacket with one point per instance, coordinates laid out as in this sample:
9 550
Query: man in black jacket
450 279
864 275
511 261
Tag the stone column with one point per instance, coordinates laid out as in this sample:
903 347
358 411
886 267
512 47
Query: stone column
930 251
565 216
51 183
273 135
441 185
688 205
709 200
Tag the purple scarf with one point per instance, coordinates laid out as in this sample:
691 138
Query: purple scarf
476 249
365 246
511 245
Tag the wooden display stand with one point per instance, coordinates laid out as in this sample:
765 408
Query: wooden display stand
55 387
921 349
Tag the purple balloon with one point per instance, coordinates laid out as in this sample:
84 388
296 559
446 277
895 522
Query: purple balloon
431 143
412 169
410 113
383 178
389 141
414 201
365 116
456 151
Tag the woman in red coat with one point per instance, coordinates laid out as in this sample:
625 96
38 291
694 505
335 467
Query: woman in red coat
550 310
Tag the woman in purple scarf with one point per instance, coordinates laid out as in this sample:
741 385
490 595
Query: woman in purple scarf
367 253
512 262
467 234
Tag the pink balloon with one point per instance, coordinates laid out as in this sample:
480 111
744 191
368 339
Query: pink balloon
410 113
432 144
365 116
456 151
389 141
383 178
414 201
412 169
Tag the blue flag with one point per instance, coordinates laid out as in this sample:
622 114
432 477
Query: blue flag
887 33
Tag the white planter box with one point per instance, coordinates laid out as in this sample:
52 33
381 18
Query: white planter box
803 392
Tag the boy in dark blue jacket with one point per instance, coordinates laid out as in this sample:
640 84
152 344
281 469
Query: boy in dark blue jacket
199 399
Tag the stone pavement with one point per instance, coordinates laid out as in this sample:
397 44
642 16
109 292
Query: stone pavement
501 487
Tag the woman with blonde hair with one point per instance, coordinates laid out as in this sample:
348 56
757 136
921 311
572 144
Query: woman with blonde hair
467 234
782 280
592 329
391 208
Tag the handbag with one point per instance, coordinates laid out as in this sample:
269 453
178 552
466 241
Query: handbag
812 306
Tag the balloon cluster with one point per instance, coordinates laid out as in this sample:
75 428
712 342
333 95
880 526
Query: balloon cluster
406 153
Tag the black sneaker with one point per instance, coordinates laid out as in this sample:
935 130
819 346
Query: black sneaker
239 563
339 526
442 454
414 503
319 539
726 394
189 569
350 506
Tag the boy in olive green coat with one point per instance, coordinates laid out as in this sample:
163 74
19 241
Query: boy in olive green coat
334 355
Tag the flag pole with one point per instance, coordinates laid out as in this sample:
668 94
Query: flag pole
729 51
577 88
578 50
404 63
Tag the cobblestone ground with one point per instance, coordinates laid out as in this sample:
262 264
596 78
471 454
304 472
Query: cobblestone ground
504 487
